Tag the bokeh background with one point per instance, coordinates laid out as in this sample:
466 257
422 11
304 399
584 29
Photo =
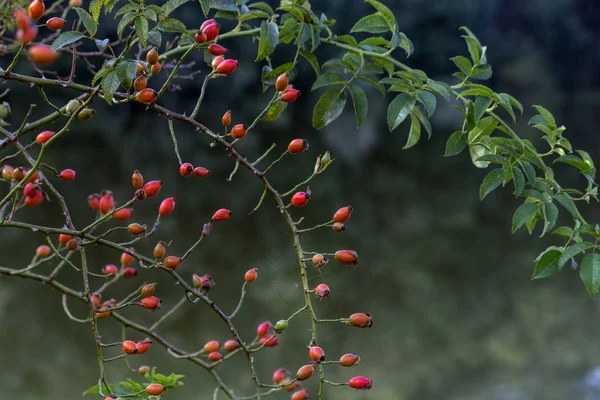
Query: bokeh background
456 315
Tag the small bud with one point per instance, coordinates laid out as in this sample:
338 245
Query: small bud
152 188
201 172
361 320
290 95
227 67
216 61
140 194
43 137
148 290
86 113
110 269
128 273
159 250
281 325
200 38
155 389
152 56
263 328
231 345
144 369
96 300
319 260
226 119
137 179
129 347
300 199
299 395
123 214
322 291
143 346
126 259
172 262
211 346
282 82
305 372
239 131
338 227
346 256
215 356
280 375
186 169
216 49
43 251
269 341
72 244
136 229
297 146
151 303
343 214
167 206
94 201
211 31
349 360
72 106
360 382
251 275
316 354
221 215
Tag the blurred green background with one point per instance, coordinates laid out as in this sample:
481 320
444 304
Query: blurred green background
456 315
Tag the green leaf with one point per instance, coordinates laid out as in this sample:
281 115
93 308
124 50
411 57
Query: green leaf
205 4
583 166
529 171
171 5
289 30
261 5
550 213
329 107
312 60
127 18
360 102
371 80
482 72
126 73
88 20
66 39
327 79
483 128
481 106
546 115
155 38
169 25
267 75
429 101
374 23
440 88
414 133
563 231
567 202
474 49
463 64
423 119
225 5
252 15
95 8
110 84
456 143
572 251
275 110
518 180
269 38
492 181
372 41
385 12
515 103
547 263
590 273
127 8
141 29
399 109
524 213
406 44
